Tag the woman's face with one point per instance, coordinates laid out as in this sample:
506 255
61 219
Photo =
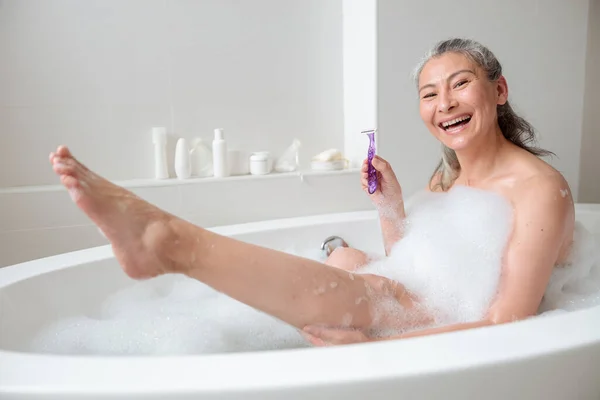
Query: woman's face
457 101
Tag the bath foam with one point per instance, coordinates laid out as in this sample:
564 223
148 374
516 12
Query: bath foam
450 255
576 283
170 314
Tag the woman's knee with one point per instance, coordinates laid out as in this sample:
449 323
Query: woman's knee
347 259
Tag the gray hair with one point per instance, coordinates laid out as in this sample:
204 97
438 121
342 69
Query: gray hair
513 127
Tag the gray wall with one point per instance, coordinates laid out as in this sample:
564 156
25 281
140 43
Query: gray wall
589 183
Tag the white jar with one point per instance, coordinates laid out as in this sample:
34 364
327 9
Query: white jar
260 163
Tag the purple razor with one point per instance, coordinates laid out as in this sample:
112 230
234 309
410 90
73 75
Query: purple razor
371 170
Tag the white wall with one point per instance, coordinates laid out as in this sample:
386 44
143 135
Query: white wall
541 45
360 77
589 190
98 74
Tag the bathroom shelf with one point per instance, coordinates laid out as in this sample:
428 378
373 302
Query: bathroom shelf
140 183
274 175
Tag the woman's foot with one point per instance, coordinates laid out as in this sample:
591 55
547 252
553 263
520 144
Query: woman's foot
139 232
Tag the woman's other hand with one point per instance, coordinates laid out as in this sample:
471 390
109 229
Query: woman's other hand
324 336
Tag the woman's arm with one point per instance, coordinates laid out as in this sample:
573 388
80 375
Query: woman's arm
388 201
391 227
544 223
323 336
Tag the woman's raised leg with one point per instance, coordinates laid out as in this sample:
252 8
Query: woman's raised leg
148 242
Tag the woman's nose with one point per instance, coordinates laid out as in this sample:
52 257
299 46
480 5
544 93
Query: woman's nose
447 102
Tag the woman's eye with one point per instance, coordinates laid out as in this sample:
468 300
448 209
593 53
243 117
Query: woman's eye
429 95
461 83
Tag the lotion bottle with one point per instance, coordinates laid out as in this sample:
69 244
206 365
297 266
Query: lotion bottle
183 166
159 139
220 165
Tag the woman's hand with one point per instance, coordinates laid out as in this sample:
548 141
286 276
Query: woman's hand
323 336
389 192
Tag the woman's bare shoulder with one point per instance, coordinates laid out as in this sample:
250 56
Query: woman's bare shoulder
537 180
544 198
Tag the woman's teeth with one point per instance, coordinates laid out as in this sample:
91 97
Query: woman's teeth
454 121
450 124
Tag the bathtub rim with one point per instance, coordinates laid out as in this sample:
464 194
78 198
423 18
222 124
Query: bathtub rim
21 271
17 272
294 368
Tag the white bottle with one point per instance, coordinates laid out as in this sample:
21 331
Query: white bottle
220 165
183 166
159 138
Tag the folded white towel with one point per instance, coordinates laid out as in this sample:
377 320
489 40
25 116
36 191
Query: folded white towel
329 155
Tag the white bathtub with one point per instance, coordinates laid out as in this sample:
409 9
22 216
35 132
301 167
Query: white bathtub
554 357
